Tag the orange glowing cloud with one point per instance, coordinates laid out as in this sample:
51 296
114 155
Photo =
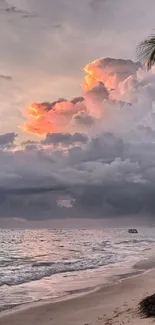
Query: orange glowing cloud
109 71
96 74
37 120
103 75
43 118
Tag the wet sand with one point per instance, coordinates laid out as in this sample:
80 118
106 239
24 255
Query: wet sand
113 304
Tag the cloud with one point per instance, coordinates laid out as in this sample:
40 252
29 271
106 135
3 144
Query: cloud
65 139
83 118
108 176
98 91
44 65
77 100
107 171
30 145
109 71
113 172
9 78
58 116
106 79
10 9
7 140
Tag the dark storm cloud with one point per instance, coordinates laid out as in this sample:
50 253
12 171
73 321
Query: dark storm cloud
30 145
65 139
108 176
31 190
119 199
105 147
7 140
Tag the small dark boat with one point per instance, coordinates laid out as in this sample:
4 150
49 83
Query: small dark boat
133 231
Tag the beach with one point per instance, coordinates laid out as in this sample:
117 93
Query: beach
99 278
112 304
68 261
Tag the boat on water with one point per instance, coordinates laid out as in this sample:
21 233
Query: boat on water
133 231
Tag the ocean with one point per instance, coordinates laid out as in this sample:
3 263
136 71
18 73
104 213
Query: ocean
54 263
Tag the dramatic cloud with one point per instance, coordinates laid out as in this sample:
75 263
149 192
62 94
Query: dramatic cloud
65 139
104 80
54 117
30 145
47 64
7 140
109 71
107 171
109 176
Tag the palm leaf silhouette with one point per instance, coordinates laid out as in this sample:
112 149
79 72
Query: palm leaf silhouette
146 51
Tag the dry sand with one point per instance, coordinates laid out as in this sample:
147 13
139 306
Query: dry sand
115 304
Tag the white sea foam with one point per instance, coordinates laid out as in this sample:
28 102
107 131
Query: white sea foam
66 260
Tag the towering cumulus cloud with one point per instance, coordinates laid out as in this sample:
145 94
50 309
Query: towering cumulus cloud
103 77
97 158
110 71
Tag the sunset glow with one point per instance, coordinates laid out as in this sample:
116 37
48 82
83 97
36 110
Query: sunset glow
102 77
41 120
37 120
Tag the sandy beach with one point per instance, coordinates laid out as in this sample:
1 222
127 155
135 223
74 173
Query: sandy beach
114 304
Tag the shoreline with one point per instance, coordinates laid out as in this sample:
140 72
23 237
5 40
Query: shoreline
91 301
78 292
103 257
99 278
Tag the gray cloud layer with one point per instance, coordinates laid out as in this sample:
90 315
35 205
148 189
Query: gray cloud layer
65 139
7 140
107 176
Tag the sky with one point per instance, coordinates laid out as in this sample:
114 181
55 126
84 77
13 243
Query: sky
90 155
46 44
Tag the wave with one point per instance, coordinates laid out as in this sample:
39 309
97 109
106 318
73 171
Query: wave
39 270
71 251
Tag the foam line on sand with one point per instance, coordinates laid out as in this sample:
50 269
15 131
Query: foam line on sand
110 305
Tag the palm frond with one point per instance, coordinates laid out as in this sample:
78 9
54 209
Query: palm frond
146 51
